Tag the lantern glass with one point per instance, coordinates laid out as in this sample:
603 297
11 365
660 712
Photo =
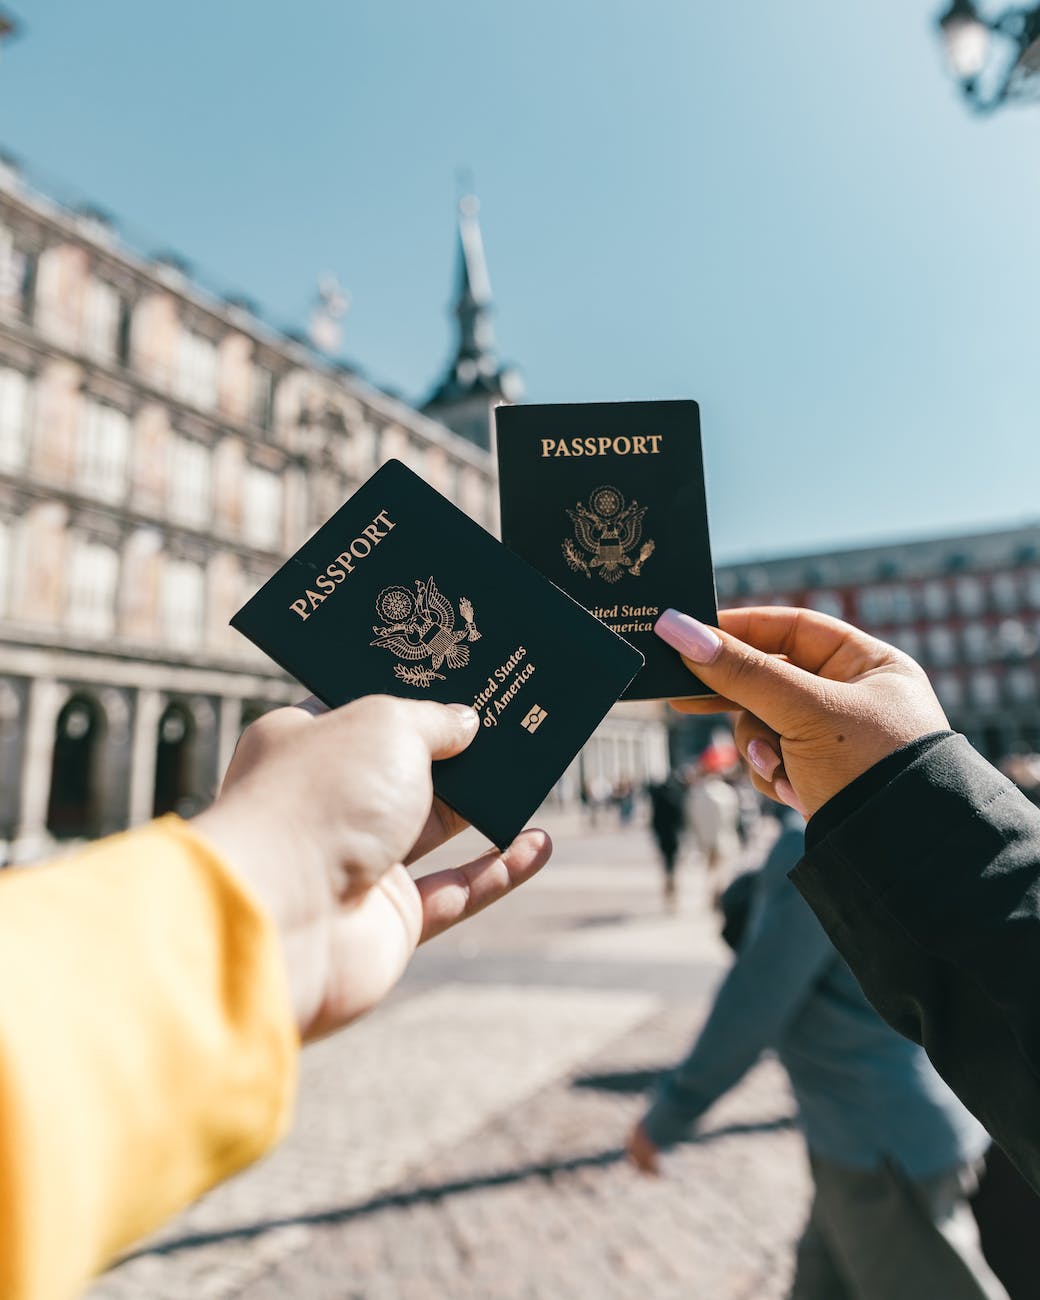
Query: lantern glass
967 45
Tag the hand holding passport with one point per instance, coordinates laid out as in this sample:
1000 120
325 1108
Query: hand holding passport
400 593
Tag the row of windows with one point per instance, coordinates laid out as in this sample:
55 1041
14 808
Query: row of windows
92 592
967 596
1010 640
103 464
983 689
107 333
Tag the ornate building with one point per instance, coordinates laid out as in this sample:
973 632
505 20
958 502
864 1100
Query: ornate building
966 607
161 451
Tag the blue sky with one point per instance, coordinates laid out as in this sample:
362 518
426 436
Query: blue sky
781 210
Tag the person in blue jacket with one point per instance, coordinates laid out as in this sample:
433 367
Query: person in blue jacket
893 1153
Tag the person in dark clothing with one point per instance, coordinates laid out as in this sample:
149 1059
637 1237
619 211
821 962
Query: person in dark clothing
667 817
893 1152
922 861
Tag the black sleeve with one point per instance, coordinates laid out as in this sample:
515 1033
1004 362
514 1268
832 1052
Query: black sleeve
928 883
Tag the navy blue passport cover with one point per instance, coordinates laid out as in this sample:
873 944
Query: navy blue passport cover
607 500
402 594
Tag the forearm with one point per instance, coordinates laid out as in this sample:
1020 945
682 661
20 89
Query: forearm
928 886
147 1048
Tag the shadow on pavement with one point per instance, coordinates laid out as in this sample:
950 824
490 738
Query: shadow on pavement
419 1195
623 1081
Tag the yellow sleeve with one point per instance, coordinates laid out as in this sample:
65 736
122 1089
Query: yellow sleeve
147 1048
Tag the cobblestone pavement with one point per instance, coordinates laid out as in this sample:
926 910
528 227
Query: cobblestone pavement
463 1143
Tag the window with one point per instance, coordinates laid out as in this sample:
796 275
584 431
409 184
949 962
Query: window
262 513
103 448
14 413
196 377
101 321
985 689
935 597
1032 586
977 643
189 482
183 603
1021 685
909 641
1014 640
17 277
949 690
92 576
261 411
1005 593
827 602
942 648
875 605
970 596
902 599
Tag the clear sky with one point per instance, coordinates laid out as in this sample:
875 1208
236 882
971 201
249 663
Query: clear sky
783 210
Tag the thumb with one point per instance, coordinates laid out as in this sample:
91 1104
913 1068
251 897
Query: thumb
772 688
447 729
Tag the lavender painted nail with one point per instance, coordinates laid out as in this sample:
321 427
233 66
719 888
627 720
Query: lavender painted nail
763 758
691 638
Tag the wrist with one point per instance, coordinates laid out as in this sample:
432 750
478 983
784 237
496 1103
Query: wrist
281 876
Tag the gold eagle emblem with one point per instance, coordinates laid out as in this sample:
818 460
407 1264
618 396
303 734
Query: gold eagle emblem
607 529
420 625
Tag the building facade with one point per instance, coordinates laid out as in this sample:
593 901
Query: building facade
967 608
161 452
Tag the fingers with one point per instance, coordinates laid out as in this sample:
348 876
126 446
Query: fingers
761 748
446 728
442 823
460 892
704 704
809 639
775 688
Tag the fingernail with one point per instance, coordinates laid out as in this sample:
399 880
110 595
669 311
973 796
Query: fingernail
467 714
690 637
763 758
785 790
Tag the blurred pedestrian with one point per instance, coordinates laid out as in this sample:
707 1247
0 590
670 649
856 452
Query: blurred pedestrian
624 798
893 1153
667 818
715 816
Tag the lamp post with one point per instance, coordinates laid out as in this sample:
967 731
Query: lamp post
995 59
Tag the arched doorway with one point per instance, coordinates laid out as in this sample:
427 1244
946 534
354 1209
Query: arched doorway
175 762
74 804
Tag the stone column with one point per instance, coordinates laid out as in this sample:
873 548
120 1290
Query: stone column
147 711
46 697
229 725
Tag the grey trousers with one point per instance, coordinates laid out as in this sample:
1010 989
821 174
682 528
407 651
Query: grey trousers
874 1234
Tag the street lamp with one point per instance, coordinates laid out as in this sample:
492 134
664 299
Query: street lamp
968 36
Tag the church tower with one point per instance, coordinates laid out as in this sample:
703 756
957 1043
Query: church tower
475 382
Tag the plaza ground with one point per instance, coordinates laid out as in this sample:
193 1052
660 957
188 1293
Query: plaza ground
464 1142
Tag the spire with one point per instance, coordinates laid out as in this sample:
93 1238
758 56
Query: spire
474 382
473 295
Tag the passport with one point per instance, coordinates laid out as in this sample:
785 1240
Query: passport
607 500
400 593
